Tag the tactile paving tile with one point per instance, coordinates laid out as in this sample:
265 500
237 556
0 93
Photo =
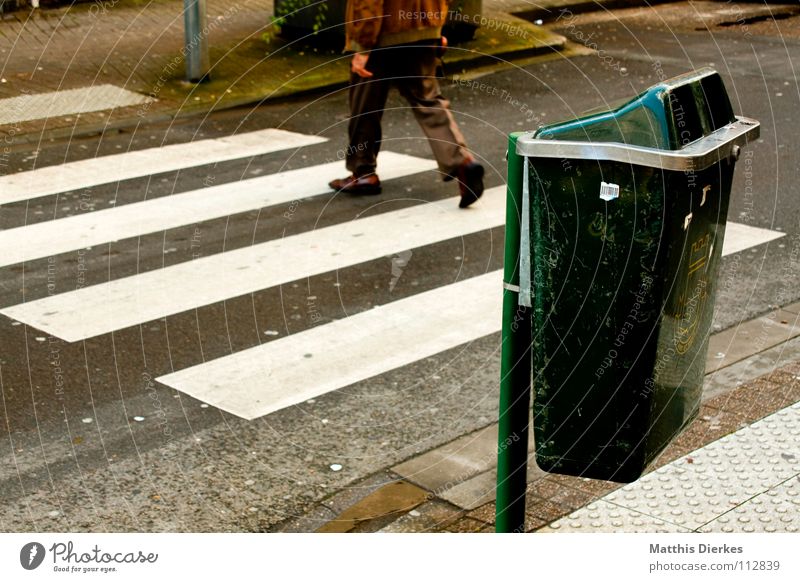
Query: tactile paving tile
721 479
604 517
68 102
776 510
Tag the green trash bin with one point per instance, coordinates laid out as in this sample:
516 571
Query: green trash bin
623 221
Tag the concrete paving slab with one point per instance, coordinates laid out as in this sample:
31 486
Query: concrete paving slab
740 342
761 364
72 102
480 490
793 308
472 493
443 468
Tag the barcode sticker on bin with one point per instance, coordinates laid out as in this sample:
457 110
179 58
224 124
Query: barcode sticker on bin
609 191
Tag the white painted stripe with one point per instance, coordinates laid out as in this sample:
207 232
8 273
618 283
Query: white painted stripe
133 300
739 237
136 164
76 232
305 365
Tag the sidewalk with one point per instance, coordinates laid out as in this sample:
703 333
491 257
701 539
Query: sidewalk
136 48
735 469
122 60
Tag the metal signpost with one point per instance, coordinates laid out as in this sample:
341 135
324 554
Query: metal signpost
196 40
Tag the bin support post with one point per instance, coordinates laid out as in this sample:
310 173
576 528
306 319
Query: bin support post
515 367
195 40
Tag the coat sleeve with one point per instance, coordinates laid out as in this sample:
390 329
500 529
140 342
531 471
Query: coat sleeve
363 25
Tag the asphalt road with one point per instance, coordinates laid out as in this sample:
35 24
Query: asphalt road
92 442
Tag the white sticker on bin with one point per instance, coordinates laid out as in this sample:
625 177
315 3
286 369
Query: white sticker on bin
609 191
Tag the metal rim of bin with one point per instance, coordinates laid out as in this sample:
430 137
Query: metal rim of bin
696 156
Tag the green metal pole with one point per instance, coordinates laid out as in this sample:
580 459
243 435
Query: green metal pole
195 48
515 366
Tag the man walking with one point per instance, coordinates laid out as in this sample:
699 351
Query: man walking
399 42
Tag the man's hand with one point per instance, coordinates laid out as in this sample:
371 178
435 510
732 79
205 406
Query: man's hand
442 48
358 65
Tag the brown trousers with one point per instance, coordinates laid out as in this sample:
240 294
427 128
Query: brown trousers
412 69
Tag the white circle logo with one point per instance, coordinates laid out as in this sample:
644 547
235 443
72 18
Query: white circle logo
31 555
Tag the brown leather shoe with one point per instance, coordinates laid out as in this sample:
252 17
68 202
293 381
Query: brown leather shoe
369 184
470 182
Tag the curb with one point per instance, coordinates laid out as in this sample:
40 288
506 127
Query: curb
458 495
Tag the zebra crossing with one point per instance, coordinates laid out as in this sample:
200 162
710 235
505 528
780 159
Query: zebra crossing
76 232
152 295
285 371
